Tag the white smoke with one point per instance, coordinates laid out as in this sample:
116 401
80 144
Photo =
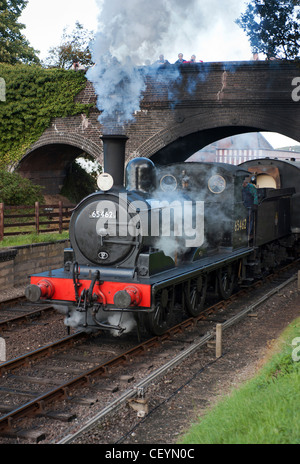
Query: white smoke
77 319
122 43
133 32
74 319
125 320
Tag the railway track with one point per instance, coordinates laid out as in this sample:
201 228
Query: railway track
57 386
25 327
15 312
140 389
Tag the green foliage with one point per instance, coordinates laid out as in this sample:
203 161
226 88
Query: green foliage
16 190
273 27
90 165
78 183
14 48
33 97
74 45
28 239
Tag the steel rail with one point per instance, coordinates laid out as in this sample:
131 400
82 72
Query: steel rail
140 388
38 404
27 358
24 317
250 308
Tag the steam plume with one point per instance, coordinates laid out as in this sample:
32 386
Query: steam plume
133 32
121 45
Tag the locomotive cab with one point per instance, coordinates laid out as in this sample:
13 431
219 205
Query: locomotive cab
277 183
219 186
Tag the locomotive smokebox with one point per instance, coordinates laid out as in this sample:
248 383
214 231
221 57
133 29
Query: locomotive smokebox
114 156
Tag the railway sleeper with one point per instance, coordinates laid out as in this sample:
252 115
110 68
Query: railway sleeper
58 416
34 435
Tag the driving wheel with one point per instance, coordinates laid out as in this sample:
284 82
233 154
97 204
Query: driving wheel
195 295
226 280
158 320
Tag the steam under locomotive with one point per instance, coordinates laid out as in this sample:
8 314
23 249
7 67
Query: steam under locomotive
166 237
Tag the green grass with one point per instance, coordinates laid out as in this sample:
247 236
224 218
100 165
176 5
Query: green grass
265 410
28 239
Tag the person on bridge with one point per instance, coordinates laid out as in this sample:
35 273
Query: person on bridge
250 201
76 66
180 59
193 60
161 60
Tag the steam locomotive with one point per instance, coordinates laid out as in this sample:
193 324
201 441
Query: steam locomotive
166 237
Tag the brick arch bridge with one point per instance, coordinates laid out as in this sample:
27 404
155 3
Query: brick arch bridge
179 114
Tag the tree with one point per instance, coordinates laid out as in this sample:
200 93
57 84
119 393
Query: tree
273 27
14 48
78 183
17 190
74 45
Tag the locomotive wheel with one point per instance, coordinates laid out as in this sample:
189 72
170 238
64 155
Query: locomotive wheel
158 321
226 280
195 295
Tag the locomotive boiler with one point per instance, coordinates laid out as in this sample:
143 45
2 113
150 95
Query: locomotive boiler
162 238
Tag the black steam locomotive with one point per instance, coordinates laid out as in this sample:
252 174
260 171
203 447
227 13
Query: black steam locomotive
165 238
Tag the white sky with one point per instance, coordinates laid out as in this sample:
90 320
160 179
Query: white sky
221 39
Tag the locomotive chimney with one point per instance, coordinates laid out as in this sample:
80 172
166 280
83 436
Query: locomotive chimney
114 156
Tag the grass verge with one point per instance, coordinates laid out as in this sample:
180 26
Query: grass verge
28 239
265 410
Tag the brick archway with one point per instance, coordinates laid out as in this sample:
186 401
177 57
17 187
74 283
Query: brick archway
182 148
173 121
82 142
190 133
47 160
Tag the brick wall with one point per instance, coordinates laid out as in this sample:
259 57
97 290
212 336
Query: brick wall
178 116
16 264
210 96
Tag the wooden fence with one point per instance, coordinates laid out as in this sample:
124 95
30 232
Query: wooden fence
17 220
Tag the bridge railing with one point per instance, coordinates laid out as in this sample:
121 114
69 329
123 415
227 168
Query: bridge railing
18 220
